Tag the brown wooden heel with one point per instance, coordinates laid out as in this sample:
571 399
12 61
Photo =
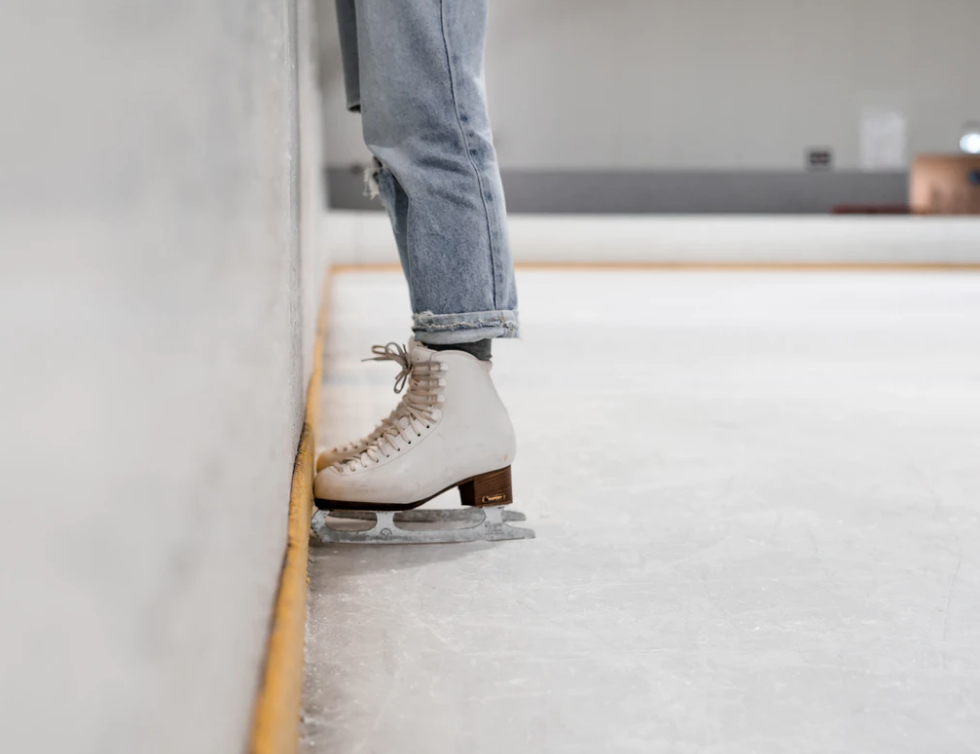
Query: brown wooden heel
493 488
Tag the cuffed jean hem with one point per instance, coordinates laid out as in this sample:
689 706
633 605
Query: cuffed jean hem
445 329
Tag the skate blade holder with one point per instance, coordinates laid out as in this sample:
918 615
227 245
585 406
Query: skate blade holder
487 524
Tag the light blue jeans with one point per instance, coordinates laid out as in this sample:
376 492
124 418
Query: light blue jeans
414 68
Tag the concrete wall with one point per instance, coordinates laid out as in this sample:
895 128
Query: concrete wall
657 87
159 278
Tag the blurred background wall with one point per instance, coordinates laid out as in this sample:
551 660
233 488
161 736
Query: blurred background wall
159 283
708 106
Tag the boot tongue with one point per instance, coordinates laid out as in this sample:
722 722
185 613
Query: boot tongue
419 351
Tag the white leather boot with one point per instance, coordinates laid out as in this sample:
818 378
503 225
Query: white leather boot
450 430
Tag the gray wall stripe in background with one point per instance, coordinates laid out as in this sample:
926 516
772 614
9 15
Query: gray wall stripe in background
655 192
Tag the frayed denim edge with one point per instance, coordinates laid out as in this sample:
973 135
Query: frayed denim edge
443 329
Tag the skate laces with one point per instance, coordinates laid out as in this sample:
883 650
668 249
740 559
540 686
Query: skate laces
391 352
417 410
353 445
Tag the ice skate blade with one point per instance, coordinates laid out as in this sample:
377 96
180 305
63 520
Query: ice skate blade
490 527
430 515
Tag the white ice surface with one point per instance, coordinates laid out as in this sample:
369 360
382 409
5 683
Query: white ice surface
756 497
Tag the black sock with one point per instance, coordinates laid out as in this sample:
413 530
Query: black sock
479 348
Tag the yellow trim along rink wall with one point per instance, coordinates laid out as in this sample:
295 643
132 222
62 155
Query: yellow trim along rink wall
275 725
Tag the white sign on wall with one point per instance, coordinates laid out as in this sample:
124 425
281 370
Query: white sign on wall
884 139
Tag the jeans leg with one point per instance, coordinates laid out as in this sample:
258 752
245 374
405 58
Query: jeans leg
425 118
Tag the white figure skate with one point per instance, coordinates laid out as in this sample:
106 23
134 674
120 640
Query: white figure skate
450 430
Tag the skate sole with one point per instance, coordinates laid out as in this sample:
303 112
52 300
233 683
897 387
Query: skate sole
492 488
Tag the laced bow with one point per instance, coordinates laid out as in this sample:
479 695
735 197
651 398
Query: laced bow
398 353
